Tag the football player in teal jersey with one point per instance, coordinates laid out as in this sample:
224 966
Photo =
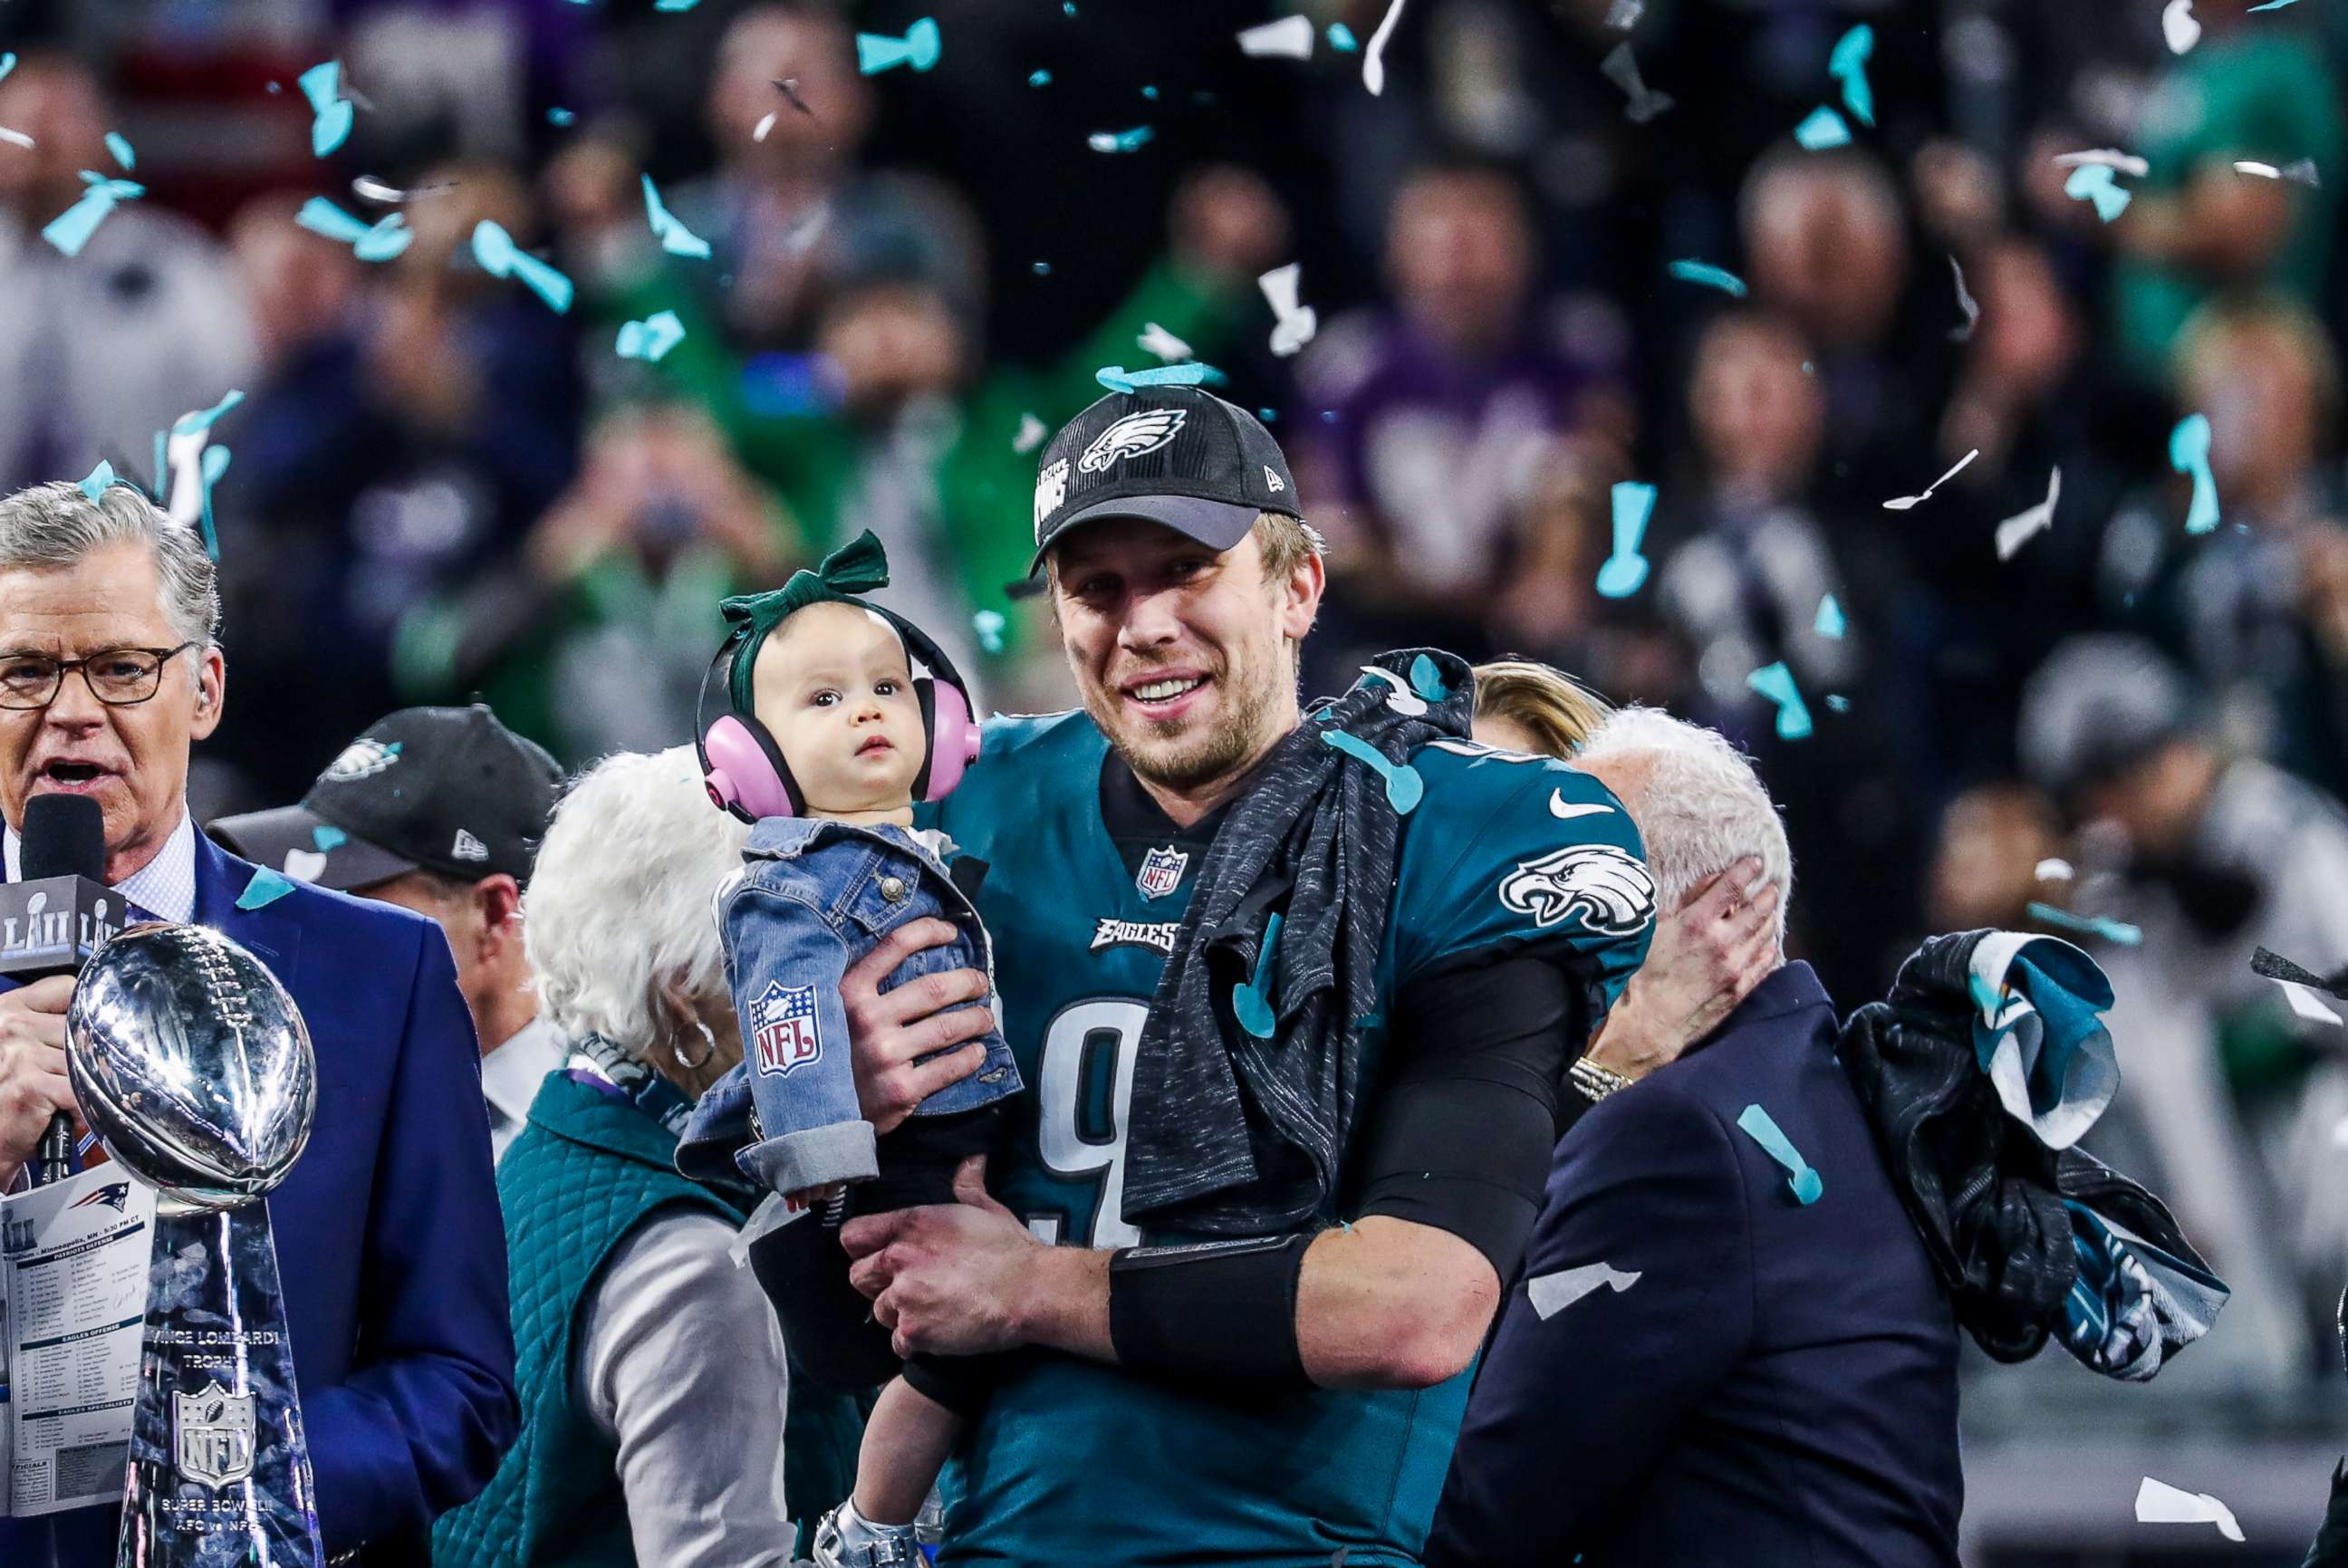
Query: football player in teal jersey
1193 1398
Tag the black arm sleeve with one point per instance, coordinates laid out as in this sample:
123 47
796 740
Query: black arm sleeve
1475 1101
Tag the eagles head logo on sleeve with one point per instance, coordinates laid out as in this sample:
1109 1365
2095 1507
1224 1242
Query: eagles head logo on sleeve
1609 888
1132 435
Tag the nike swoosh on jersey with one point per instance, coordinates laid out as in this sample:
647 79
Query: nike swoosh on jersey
1557 807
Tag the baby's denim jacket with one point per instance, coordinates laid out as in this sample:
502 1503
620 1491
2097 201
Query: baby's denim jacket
812 898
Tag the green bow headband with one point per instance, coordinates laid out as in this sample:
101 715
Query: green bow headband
857 567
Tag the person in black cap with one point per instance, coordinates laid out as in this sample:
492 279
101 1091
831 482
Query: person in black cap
436 810
1296 994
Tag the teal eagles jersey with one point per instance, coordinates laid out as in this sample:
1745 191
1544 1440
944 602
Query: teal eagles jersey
1078 1462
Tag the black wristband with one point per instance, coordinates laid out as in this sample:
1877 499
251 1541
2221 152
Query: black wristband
1220 1315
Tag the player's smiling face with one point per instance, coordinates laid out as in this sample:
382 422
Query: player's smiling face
1182 655
833 687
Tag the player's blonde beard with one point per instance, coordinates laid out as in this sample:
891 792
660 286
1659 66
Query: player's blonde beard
1235 741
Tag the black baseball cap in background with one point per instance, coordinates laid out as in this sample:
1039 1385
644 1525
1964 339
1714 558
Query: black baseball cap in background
447 790
1174 455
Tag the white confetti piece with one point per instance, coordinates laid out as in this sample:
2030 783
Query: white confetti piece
1291 37
1901 503
1552 1292
2307 1004
2108 158
2053 869
766 123
2178 26
1296 323
1966 302
1621 67
2158 1502
1155 339
1623 15
14 138
1031 435
1374 61
2016 531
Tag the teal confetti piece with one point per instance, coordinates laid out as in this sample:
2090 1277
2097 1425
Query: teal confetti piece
1848 64
1755 1124
1369 1021
1120 140
389 238
989 624
501 258
651 337
877 52
265 889
205 418
8 63
117 144
1342 39
1250 1003
674 237
330 126
1404 788
325 836
162 463
1191 373
1838 704
94 486
1041 268
2117 930
1068 7
1621 573
1822 132
1776 681
1267 415
674 7
1039 79
379 242
1830 622
1710 276
1150 93
320 216
70 230
2189 453
2270 5
559 115
1427 681
2096 183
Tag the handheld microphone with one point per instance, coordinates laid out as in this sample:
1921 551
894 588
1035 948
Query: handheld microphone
55 916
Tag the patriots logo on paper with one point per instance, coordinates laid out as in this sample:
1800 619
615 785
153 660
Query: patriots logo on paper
783 1028
1607 887
114 1195
1132 435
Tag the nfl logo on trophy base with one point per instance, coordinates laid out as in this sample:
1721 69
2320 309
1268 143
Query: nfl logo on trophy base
215 1435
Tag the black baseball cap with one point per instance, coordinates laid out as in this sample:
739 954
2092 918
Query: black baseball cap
447 790
1174 455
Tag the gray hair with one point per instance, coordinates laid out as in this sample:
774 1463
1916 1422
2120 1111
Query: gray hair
1700 806
620 900
55 525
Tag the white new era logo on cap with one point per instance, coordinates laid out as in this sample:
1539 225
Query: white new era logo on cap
468 847
1272 480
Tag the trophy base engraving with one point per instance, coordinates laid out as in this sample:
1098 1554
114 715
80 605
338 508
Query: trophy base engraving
219 1470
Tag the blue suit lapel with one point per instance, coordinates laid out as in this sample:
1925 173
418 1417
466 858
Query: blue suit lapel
274 935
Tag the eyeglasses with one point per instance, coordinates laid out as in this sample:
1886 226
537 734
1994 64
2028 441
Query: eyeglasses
118 678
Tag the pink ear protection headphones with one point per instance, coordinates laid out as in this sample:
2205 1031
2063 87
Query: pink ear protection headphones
744 770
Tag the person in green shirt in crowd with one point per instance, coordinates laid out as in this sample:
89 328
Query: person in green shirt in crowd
2257 88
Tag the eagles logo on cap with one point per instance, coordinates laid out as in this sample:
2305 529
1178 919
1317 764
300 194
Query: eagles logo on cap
1132 435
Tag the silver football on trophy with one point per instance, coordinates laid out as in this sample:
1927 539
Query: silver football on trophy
192 1064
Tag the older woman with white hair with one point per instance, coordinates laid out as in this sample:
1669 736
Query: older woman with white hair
653 1379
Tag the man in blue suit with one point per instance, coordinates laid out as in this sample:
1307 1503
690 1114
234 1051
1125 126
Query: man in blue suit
388 1230
1727 1345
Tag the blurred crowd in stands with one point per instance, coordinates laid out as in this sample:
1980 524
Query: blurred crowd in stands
442 488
